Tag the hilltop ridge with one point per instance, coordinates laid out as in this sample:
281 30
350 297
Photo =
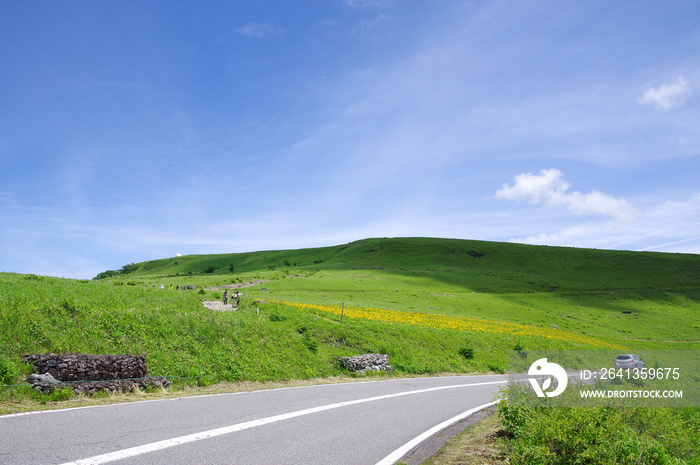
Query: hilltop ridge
487 266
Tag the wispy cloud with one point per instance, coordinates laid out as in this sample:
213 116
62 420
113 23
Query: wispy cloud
661 227
667 96
359 4
550 188
257 30
367 24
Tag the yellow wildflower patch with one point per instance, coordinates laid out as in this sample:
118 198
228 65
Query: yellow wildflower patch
450 322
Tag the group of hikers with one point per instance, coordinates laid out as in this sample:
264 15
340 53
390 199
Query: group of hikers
177 287
235 298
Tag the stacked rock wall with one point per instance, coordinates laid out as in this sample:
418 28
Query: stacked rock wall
365 362
83 367
90 373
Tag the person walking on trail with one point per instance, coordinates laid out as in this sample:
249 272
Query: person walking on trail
225 297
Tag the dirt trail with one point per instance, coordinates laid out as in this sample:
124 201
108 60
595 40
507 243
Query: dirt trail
219 306
254 282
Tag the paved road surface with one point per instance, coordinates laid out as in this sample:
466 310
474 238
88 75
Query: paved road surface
348 423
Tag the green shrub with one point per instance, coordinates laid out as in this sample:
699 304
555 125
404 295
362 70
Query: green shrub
467 353
8 372
311 344
495 367
61 394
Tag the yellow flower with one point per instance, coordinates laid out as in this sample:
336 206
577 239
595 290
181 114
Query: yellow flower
449 322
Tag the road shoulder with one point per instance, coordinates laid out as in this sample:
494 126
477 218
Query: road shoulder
474 440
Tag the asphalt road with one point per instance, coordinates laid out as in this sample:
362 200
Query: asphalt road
348 423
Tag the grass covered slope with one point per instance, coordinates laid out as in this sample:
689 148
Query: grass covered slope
434 305
641 299
260 342
478 265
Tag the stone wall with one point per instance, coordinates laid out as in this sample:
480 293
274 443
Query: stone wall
365 362
90 373
83 367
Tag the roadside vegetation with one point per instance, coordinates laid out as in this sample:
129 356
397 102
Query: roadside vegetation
599 435
434 305
570 435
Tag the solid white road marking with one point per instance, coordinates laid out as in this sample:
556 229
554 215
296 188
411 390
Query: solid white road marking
401 451
160 445
198 396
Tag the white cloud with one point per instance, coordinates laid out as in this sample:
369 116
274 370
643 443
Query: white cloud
668 95
669 226
257 30
549 188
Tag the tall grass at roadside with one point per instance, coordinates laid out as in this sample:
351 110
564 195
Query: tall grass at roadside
600 435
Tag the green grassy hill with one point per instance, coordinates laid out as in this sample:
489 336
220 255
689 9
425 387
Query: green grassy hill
434 305
626 296
259 342
477 265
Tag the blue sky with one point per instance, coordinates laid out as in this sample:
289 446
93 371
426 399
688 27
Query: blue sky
137 130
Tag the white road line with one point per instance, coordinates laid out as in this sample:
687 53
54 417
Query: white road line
200 396
160 445
401 451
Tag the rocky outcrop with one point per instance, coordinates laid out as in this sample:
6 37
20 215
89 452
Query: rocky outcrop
90 373
365 362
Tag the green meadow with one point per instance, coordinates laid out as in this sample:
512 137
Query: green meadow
637 299
556 298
